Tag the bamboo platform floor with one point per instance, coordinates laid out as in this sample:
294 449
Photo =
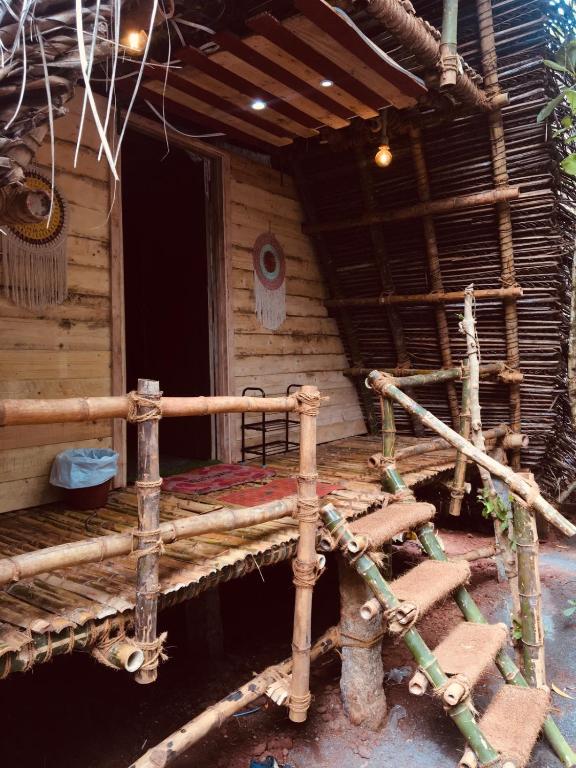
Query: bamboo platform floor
73 597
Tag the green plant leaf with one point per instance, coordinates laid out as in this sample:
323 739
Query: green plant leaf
568 165
555 65
546 111
566 122
571 98
569 611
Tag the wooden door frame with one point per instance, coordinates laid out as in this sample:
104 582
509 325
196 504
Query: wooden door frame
219 276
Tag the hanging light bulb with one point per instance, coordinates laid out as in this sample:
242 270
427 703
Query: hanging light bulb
383 157
135 40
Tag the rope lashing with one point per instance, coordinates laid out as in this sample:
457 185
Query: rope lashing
153 651
307 510
137 402
307 574
359 642
308 403
149 483
299 703
151 548
402 618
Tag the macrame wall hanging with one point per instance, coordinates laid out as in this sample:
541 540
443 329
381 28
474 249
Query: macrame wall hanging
269 281
34 255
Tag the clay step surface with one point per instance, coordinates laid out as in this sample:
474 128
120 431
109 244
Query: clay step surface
513 721
470 648
381 526
430 581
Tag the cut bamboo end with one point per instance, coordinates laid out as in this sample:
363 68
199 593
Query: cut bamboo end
418 684
468 759
121 655
370 609
455 693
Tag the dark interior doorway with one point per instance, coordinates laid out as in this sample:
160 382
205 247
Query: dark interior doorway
166 287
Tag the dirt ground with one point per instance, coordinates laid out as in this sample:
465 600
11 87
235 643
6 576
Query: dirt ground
72 713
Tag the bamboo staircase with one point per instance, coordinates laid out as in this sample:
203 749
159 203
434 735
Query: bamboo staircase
506 733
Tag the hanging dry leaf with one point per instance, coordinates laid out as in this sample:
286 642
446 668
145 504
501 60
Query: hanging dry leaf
562 693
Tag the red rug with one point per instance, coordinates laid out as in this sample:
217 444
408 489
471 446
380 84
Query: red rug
272 491
214 478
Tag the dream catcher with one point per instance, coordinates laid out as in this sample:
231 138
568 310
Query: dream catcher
269 281
34 255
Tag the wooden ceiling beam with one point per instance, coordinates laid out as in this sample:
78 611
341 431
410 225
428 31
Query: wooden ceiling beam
331 22
255 59
267 25
210 67
247 115
188 114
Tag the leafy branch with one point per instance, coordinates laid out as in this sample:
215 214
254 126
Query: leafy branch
564 63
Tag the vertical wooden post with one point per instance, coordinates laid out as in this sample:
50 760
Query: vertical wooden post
361 683
305 564
436 284
530 593
500 172
457 490
148 539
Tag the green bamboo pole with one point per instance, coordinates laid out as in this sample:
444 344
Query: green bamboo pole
457 490
462 714
530 593
505 664
448 45
387 386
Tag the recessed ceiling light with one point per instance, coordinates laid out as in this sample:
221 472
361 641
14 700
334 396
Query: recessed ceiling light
327 83
258 105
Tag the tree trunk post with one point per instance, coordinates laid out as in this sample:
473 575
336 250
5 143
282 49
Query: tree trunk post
361 683
149 541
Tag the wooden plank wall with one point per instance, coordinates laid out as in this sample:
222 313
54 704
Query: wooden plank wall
307 347
62 350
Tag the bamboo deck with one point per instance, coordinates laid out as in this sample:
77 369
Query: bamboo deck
74 597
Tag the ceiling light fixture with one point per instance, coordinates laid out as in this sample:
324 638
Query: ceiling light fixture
383 157
326 83
258 105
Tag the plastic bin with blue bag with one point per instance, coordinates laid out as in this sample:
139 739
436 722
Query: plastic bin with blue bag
85 476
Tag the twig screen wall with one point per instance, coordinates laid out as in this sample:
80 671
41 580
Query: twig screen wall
458 157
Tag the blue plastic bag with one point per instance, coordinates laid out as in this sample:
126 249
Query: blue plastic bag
83 467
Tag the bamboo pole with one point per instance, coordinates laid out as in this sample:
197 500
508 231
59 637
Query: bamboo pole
415 34
505 664
423 186
95 550
462 713
149 543
501 532
213 717
503 212
448 47
305 564
439 444
530 595
420 377
386 385
422 298
69 409
442 206
459 480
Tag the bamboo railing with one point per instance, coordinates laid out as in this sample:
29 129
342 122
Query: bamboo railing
145 408
386 386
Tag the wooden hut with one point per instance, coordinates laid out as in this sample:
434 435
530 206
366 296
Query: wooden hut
256 205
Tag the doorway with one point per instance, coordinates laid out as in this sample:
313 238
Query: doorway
167 289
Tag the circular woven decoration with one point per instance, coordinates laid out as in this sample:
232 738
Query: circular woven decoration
269 261
42 234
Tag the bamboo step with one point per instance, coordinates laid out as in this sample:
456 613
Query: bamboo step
513 721
430 581
469 649
380 527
